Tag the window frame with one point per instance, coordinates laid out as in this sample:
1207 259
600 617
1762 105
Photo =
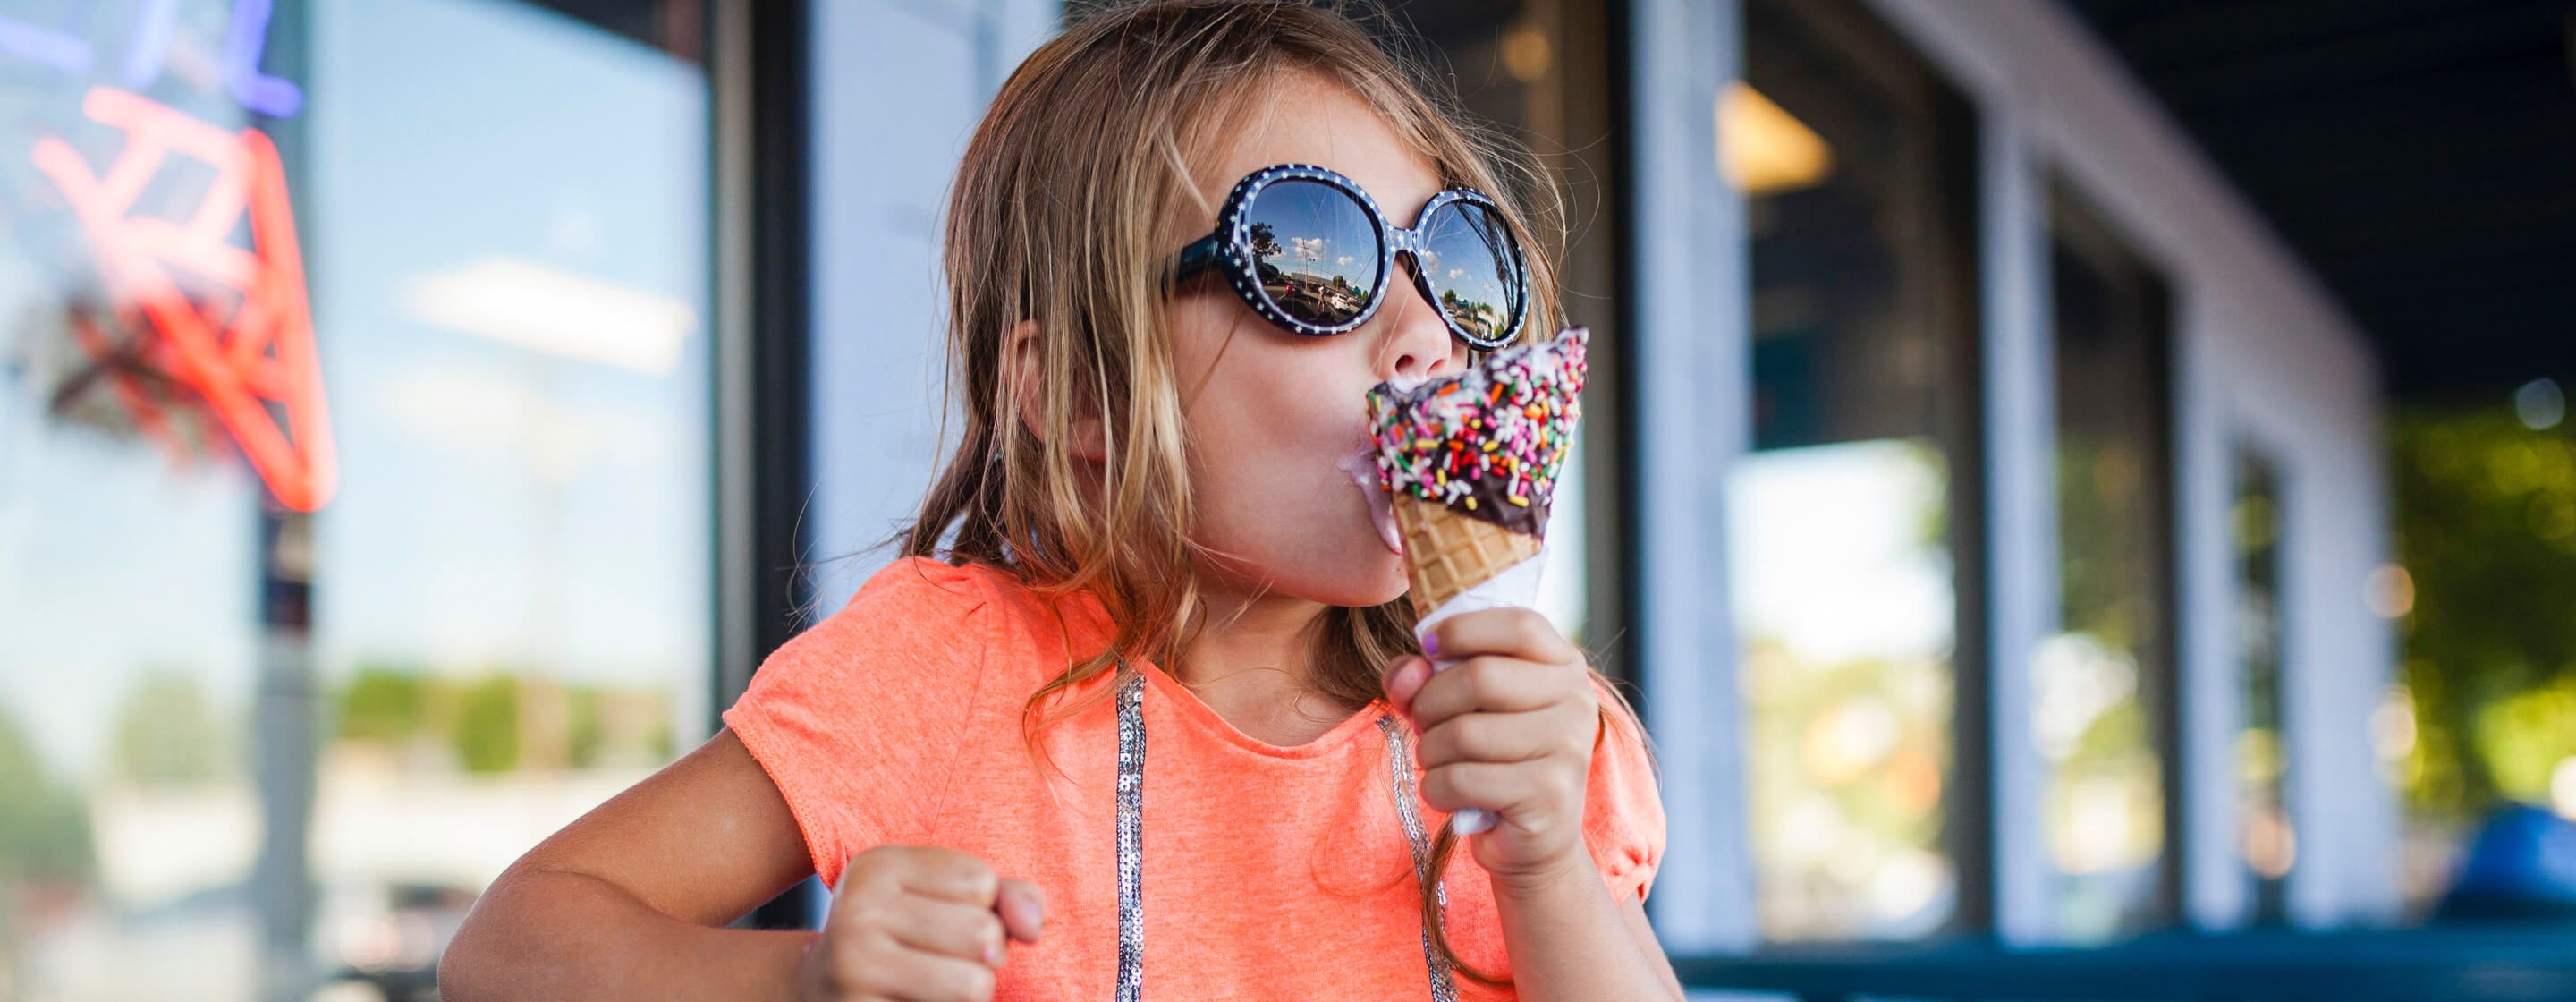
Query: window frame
759 178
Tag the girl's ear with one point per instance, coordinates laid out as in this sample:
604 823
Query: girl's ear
1024 363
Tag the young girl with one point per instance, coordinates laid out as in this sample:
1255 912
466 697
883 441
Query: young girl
1139 713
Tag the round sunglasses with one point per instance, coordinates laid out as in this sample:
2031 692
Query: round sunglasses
1309 251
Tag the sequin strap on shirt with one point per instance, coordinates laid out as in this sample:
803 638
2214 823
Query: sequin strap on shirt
1400 760
1131 837
1131 840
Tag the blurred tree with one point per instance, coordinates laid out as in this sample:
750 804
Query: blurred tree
485 728
581 705
44 828
2524 737
2486 529
166 734
383 705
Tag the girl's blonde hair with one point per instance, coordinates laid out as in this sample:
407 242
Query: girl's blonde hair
1061 213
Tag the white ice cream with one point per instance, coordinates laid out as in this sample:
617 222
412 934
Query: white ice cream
1362 466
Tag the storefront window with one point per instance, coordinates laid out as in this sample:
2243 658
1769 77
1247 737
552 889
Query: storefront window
2101 686
354 474
1849 520
2266 839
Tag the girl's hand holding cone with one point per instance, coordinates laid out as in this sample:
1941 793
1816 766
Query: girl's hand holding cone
1509 727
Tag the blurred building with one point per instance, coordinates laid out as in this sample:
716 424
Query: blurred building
417 418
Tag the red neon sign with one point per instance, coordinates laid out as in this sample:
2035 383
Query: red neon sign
256 367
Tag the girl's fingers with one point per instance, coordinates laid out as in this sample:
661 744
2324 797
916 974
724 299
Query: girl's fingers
949 875
1491 737
1504 787
949 929
1404 679
1023 910
1518 633
929 977
1492 684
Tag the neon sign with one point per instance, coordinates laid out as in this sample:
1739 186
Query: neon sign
245 42
262 353
244 342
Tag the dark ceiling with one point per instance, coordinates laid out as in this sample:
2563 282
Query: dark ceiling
2420 155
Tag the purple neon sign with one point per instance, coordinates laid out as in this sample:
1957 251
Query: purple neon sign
148 49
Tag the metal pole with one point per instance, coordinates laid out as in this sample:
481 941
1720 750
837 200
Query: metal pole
284 752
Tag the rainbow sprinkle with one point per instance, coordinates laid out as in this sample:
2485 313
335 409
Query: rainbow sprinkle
1488 441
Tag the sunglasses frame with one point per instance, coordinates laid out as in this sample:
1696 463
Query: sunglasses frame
1228 249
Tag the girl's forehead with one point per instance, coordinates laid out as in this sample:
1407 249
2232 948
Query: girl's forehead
1311 119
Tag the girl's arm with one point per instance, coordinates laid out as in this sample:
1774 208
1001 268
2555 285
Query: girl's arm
628 901
1569 941
1511 726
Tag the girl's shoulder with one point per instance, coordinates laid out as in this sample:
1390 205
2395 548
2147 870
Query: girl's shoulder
1623 824
1006 618
898 678
924 584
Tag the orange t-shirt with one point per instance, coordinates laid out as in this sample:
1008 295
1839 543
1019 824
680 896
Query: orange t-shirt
1267 872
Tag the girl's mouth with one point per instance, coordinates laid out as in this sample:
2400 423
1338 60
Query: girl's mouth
1362 467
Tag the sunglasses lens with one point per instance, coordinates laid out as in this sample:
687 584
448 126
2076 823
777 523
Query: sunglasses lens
1316 251
1474 268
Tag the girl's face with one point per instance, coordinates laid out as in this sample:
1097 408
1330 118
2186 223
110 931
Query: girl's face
1270 414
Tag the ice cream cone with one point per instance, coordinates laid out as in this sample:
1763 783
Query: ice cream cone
1447 551
1470 462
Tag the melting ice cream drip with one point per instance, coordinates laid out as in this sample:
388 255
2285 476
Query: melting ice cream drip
1362 467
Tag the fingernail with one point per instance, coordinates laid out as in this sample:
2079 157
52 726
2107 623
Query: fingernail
1431 644
993 954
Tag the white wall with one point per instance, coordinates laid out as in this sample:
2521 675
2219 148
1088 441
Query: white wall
898 86
1694 416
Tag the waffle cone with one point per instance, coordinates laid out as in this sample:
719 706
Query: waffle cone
1447 551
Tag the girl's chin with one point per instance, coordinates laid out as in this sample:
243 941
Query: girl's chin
1394 582
1366 574
1376 579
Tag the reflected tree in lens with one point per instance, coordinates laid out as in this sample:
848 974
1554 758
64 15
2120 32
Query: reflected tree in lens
1265 245
1467 259
1315 251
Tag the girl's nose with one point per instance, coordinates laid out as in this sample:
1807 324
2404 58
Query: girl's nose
1418 344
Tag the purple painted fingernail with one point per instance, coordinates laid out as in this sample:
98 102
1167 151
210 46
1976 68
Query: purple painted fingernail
1431 645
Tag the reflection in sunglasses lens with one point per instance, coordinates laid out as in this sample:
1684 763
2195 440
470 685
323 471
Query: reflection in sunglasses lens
1316 251
1471 263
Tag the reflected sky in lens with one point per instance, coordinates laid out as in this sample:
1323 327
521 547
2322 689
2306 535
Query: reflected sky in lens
1467 257
1316 250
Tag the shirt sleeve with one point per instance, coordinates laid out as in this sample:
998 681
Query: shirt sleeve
1623 816
847 717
